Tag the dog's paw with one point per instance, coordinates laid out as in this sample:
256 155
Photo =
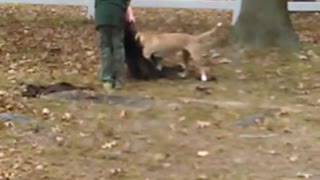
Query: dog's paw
204 77
159 67
183 75
209 78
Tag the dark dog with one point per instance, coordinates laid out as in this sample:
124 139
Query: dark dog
140 67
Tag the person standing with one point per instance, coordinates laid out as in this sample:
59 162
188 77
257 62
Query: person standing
110 18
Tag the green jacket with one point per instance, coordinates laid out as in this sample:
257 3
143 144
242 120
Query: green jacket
110 12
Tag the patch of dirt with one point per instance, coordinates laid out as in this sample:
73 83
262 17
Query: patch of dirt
189 135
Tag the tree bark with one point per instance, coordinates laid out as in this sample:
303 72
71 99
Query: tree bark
264 23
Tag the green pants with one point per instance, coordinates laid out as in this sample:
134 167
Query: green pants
111 44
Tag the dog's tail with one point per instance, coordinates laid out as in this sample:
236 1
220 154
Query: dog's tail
208 33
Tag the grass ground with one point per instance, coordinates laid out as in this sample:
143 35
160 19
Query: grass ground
189 134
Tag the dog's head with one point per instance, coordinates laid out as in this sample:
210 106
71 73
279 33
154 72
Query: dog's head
142 39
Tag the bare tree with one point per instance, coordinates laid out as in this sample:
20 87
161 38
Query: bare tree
264 23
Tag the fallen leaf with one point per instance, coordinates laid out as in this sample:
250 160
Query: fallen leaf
2 154
160 157
272 152
174 106
293 158
90 53
302 57
116 171
202 177
203 124
123 114
304 175
83 134
182 118
9 124
109 145
59 140
56 129
39 167
45 111
66 116
224 61
202 153
3 93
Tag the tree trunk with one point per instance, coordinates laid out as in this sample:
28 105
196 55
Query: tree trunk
264 23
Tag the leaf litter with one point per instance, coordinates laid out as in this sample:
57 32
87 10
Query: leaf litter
45 44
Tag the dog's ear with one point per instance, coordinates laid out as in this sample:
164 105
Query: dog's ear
139 37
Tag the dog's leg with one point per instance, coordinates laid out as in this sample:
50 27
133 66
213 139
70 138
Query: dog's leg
203 74
203 69
156 61
159 67
195 52
185 64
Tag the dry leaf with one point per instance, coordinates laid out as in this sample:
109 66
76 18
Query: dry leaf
116 171
123 114
202 153
90 53
39 167
304 175
45 111
224 61
66 116
3 93
182 118
272 152
109 145
9 124
174 106
172 127
216 55
203 124
159 157
59 140
2 154
202 177
56 129
293 158
83 134
302 57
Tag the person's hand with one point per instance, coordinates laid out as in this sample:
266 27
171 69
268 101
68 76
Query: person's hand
129 15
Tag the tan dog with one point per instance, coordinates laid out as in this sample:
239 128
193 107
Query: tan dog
158 46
